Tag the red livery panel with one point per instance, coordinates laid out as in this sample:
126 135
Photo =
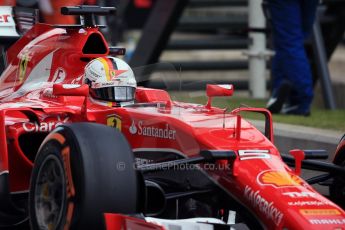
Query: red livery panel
187 146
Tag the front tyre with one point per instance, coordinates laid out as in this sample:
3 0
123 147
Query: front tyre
81 171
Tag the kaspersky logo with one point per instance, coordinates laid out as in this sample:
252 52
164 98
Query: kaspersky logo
152 131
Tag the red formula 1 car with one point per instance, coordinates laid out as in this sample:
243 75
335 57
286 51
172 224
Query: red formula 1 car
69 163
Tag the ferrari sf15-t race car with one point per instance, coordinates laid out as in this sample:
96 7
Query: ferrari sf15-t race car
67 162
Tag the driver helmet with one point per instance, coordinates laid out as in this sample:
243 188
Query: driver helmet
110 79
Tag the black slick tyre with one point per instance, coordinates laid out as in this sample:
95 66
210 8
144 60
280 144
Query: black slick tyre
81 171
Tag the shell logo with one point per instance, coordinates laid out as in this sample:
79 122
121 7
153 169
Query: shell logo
279 179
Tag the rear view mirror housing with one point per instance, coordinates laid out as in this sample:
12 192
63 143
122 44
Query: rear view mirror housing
225 90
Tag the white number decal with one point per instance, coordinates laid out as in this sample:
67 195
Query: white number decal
250 154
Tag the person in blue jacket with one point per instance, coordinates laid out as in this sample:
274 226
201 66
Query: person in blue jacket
292 86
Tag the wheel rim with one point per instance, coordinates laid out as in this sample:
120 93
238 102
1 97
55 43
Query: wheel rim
50 193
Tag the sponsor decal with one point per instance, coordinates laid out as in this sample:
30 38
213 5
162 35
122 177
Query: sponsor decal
327 221
300 194
114 121
279 179
151 131
94 74
250 154
108 83
115 82
44 126
115 73
97 85
309 203
264 206
319 212
59 75
4 18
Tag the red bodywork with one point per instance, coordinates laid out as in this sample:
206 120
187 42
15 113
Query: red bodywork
29 109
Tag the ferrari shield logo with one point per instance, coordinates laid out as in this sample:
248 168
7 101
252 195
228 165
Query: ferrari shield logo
114 121
22 66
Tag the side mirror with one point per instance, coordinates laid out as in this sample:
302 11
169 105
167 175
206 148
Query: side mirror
219 90
299 156
225 90
70 90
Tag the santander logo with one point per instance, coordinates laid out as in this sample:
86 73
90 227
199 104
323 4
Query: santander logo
142 129
133 129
